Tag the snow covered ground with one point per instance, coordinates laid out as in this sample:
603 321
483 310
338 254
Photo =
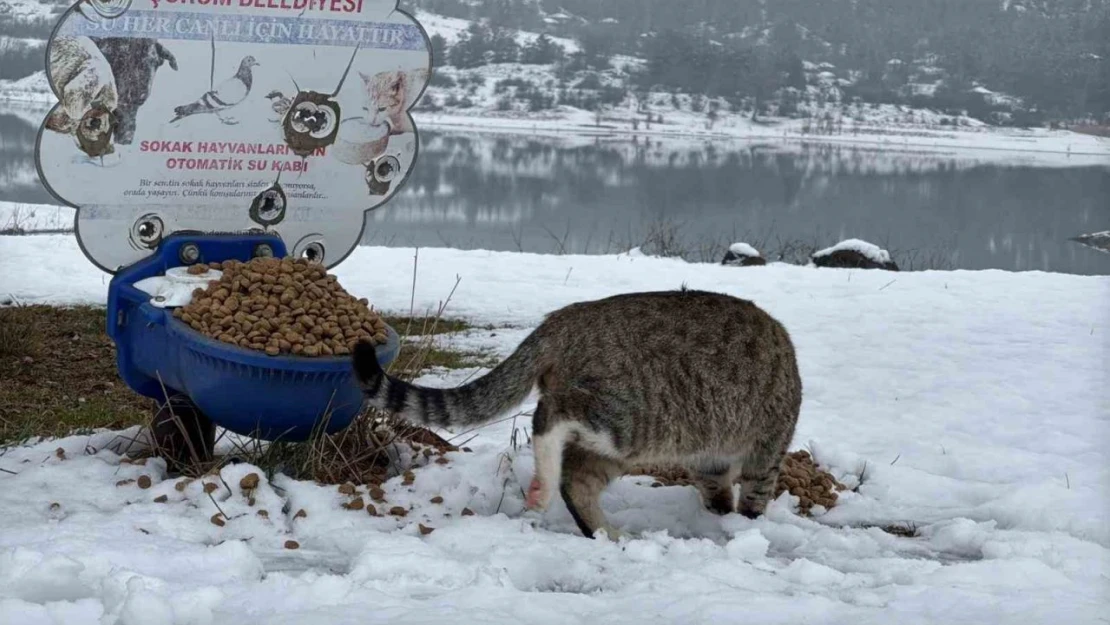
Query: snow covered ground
974 404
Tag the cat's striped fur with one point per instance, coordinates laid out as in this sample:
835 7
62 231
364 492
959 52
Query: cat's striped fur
702 379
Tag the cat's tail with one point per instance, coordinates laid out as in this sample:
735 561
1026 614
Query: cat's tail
474 403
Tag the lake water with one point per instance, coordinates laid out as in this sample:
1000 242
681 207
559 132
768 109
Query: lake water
479 190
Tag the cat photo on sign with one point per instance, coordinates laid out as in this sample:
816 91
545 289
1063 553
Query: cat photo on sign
389 96
364 140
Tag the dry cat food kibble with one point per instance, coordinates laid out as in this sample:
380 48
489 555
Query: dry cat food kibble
281 306
799 475
811 485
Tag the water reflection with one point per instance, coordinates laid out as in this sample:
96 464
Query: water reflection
599 195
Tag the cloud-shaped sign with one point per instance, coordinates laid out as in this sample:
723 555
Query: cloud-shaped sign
289 116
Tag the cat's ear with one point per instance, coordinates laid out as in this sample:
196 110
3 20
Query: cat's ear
365 78
399 83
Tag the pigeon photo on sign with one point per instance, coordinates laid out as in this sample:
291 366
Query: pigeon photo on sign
290 116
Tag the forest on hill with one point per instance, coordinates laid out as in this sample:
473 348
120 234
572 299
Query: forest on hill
1050 58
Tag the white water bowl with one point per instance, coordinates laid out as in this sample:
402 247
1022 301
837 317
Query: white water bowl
358 142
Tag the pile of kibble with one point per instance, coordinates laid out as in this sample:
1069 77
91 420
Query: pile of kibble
799 475
812 486
280 306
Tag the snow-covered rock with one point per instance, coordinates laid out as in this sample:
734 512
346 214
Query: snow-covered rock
854 254
743 255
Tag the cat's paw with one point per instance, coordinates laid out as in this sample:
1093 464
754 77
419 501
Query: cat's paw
539 495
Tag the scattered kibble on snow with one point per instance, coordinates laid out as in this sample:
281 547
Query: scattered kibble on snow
217 519
264 514
144 481
210 487
301 514
467 512
161 499
377 494
398 511
249 481
61 453
347 489
125 482
436 499
425 530
292 544
373 511
356 504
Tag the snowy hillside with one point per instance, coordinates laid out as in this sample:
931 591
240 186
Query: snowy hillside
450 28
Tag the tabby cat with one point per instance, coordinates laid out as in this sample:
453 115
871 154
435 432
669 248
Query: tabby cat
701 379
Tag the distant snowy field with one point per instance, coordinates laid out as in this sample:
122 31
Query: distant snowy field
975 404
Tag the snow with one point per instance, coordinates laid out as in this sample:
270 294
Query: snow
973 404
451 28
743 249
869 251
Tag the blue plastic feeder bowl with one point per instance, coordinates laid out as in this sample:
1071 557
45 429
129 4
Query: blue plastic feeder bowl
242 390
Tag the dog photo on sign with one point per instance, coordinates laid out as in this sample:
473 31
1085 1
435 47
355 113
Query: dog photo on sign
134 62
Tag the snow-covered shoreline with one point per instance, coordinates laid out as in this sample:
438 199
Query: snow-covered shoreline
1061 147
976 400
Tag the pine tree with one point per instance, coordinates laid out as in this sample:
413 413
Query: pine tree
439 49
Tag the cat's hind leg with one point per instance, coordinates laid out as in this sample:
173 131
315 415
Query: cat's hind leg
585 476
549 437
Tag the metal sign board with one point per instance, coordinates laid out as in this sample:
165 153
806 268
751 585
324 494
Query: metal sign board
285 116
